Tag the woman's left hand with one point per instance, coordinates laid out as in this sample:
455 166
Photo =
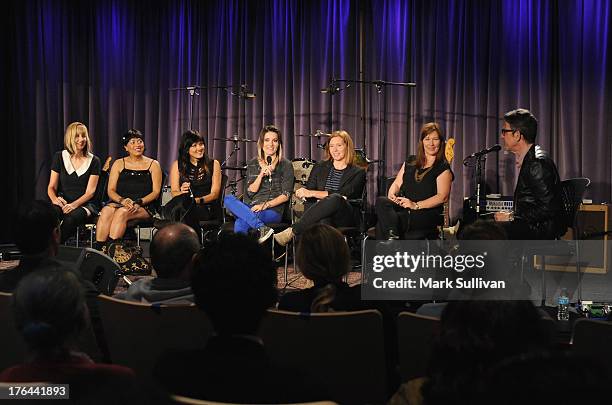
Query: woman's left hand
258 207
68 208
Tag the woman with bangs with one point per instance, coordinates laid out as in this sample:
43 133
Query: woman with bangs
413 207
195 182
331 184
75 172
268 188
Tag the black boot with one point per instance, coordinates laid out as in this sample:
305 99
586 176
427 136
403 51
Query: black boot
392 235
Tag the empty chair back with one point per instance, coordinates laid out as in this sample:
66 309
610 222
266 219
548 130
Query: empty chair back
344 350
415 338
592 339
13 348
137 334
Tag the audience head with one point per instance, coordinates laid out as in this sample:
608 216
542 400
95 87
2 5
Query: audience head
346 141
323 255
77 139
476 335
432 131
50 311
523 122
234 283
172 250
36 228
546 378
271 133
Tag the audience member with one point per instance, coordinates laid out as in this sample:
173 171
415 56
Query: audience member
475 336
172 250
50 313
324 258
234 283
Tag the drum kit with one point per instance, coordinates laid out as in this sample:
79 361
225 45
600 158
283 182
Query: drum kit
301 166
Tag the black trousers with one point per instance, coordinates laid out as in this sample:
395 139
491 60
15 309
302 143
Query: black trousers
403 222
333 210
71 221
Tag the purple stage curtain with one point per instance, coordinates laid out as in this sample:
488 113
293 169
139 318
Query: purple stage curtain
110 64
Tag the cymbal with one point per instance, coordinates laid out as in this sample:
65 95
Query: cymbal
234 139
315 135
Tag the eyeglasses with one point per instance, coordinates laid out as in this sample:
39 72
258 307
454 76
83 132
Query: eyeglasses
503 131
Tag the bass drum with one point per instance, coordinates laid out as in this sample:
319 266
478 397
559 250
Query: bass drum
301 170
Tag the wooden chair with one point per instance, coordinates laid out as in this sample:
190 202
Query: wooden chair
343 349
137 334
415 337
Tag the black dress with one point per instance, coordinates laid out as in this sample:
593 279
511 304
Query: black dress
71 186
200 179
417 185
135 184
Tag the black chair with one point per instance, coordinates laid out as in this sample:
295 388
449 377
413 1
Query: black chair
137 225
592 338
571 192
99 196
356 236
215 225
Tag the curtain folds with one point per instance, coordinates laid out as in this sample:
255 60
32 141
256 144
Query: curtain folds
110 64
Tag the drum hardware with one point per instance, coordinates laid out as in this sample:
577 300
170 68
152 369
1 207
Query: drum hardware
234 139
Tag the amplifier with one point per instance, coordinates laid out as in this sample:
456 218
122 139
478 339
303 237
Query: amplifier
593 223
496 202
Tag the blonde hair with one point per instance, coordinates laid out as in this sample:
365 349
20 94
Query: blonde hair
349 158
72 131
260 152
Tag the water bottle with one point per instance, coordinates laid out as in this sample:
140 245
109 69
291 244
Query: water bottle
563 307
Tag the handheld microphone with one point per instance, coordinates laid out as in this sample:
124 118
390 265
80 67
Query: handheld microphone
269 161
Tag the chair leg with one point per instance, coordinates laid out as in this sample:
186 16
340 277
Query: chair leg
137 236
78 230
543 270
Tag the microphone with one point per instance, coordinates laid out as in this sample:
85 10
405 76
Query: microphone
494 148
269 162
331 89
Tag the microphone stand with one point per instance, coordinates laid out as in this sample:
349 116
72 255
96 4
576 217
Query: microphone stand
382 122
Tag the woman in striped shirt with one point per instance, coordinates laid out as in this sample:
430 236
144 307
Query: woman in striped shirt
331 184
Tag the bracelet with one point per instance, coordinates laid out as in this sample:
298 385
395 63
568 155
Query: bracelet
138 201
416 206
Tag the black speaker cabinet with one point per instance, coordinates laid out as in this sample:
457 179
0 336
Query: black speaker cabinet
593 222
93 265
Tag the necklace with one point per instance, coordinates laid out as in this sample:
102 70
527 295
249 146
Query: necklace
419 176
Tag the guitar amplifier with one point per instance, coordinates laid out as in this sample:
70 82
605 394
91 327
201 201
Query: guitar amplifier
496 203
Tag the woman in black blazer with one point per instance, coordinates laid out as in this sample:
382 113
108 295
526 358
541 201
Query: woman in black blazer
331 184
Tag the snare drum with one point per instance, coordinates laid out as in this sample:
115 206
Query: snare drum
301 170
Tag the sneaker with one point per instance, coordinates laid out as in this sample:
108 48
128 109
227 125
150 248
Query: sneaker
264 234
284 237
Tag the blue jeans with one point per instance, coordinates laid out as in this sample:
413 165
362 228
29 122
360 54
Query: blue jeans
247 219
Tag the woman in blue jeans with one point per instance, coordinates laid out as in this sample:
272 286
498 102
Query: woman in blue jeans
268 188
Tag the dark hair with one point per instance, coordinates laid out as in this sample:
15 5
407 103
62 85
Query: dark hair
189 138
172 248
234 283
523 121
323 256
131 133
483 230
260 141
34 225
49 309
474 336
426 130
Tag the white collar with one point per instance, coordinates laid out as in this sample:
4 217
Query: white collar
68 164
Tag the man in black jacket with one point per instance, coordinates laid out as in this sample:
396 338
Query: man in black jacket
537 204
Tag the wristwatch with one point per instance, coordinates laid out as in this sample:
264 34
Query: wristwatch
416 206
